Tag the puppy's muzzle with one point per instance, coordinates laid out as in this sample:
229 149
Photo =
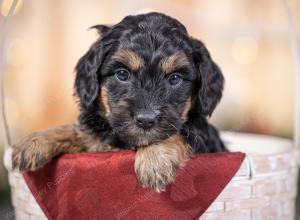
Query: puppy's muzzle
146 119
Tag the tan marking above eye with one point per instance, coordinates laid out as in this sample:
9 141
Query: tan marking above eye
175 61
129 58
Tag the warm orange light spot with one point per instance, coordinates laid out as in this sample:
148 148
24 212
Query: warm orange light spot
12 110
144 11
245 50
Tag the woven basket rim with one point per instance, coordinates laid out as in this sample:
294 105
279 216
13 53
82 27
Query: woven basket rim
249 165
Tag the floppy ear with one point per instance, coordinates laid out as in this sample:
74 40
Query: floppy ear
210 77
87 81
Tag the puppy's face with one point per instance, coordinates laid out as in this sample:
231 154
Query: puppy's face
144 77
145 95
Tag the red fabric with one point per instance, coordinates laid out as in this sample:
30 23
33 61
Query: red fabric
104 186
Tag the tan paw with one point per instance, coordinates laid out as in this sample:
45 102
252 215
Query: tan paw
156 169
31 153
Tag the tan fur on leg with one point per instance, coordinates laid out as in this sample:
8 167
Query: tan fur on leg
156 165
39 148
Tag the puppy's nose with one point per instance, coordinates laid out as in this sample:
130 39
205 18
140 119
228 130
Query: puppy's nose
146 119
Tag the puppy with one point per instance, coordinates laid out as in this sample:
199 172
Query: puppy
145 85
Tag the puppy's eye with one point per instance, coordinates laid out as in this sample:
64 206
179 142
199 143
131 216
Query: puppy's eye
175 79
122 75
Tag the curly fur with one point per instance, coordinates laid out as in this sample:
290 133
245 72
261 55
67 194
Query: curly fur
147 35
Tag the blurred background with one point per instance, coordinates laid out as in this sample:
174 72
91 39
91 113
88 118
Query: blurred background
247 38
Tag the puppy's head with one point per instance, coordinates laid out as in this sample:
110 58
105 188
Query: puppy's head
144 78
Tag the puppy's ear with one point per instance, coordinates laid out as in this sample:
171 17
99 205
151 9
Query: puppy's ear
87 81
210 79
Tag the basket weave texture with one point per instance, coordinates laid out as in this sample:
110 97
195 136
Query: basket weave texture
265 187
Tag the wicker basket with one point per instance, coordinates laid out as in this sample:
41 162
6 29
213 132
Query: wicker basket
265 186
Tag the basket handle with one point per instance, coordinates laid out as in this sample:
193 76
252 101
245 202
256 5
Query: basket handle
296 73
3 34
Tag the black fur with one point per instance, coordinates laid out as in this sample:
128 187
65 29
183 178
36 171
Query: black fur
152 36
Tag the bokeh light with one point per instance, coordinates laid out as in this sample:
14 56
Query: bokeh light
6 6
145 10
17 52
12 110
245 49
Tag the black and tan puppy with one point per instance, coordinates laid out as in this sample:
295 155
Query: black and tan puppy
145 84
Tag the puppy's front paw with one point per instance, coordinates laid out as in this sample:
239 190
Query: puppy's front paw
31 153
156 168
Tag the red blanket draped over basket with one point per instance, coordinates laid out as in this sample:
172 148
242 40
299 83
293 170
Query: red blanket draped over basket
104 186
